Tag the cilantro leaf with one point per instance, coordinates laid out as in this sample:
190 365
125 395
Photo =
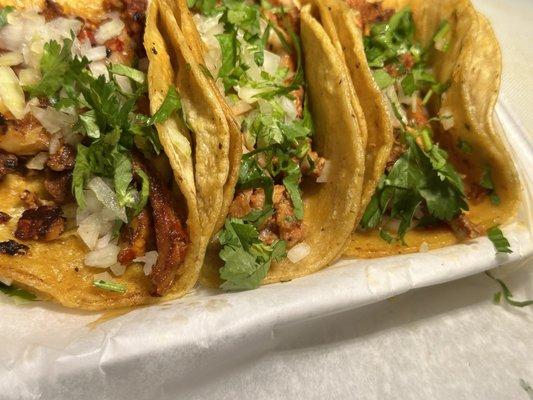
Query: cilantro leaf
507 295
419 180
3 15
16 292
246 259
58 68
383 79
110 286
500 242
488 184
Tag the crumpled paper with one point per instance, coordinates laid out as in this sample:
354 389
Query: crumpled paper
50 352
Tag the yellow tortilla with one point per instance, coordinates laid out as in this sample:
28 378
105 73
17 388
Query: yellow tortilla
193 41
331 208
55 269
473 63
340 22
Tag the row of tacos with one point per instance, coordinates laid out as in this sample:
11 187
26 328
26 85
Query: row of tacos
146 146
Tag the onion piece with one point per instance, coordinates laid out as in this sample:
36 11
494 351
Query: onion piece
103 276
11 58
118 269
55 143
424 247
271 62
324 176
38 162
99 68
11 94
95 53
29 77
298 252
446 118
89 230
51 119
149 260
107 197
102 258
108 30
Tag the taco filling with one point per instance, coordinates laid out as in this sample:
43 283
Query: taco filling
421 187
75 116
253 52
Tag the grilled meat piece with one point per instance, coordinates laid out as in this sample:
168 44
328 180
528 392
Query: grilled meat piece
137 235
465 228
58 185
44 223
4 218
62 160
8 164
13 248
171 236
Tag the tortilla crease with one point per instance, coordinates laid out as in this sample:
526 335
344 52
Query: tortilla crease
55 270
194 43
473 66
340 23
331 208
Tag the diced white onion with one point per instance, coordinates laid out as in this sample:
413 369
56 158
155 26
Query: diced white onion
38 162
102 258
447 121
107 197
29 76
11 94
289 107
298 252
124 83
324 176
99 68
149 260
247 94
108 30
103 276
51 119
11 58
89 230
118 269
104 240
95 54
240 108
55 143
271 62
424 247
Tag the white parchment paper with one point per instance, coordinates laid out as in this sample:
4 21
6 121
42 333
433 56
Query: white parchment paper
194 347
49 352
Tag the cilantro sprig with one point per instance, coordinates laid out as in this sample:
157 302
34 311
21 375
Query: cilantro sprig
109 122
246 259
500 242
420 180
13 291
506 294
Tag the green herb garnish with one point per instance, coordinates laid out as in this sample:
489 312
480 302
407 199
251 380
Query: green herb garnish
506 294
246 259
501 244
110 286
16 292
3 15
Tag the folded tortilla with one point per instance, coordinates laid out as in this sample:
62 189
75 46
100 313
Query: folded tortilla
331 208
472 66
55 270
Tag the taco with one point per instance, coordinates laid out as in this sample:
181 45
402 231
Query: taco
447 176
299 181
99 205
